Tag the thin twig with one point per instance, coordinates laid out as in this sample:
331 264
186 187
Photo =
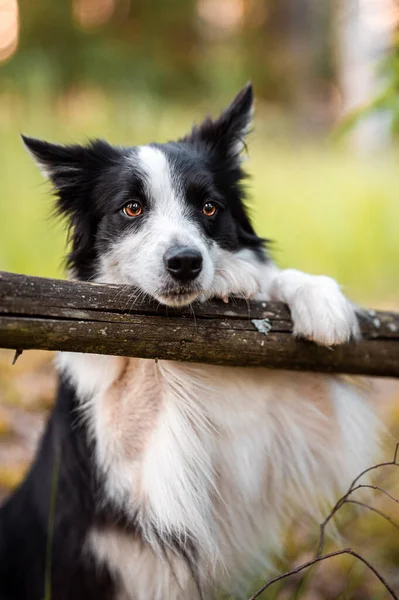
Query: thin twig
375 510
375 487
305 565
318 559
344 498
385 464
376 573
16 356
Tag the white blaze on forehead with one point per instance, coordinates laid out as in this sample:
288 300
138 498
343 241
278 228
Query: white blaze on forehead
169 220
162 188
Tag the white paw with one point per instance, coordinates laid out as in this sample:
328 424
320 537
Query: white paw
223 290
235 277
321 313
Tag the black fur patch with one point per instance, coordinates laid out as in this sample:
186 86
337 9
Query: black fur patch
44 546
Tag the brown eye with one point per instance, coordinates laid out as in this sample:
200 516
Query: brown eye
133 209
209 209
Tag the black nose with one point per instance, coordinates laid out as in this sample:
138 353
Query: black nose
184 264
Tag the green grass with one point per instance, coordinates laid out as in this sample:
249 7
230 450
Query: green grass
328 211
331 213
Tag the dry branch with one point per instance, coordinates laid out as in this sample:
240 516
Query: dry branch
345 499
108 319
318 559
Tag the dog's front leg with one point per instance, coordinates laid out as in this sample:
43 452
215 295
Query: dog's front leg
320 311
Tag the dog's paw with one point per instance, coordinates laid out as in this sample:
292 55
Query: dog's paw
224 292
321 313
238 279
226 297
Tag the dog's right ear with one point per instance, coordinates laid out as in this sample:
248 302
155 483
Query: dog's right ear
72 169
58 163
64 166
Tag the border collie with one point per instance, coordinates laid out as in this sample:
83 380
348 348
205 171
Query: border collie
166 480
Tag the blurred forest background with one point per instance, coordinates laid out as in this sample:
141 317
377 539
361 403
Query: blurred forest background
323 158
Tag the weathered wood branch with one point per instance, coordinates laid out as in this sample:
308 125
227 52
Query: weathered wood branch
109 319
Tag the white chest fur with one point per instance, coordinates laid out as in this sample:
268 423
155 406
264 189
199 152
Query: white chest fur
221 456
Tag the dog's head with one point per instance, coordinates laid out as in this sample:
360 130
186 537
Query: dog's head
167 218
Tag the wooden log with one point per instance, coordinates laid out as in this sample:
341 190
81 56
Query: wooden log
109 319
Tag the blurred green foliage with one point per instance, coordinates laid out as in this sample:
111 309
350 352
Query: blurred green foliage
172 48
385 101
145 70
326 210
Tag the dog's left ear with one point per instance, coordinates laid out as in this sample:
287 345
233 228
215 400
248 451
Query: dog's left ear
225 135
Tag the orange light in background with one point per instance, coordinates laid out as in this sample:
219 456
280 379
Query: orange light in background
92 13
221 14
379 15
9 28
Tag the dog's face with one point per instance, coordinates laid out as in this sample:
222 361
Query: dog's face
168 219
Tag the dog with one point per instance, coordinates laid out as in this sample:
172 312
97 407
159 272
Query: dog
160 479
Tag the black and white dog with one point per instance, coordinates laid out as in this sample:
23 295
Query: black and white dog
161 480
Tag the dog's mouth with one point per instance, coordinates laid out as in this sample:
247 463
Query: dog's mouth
178 296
